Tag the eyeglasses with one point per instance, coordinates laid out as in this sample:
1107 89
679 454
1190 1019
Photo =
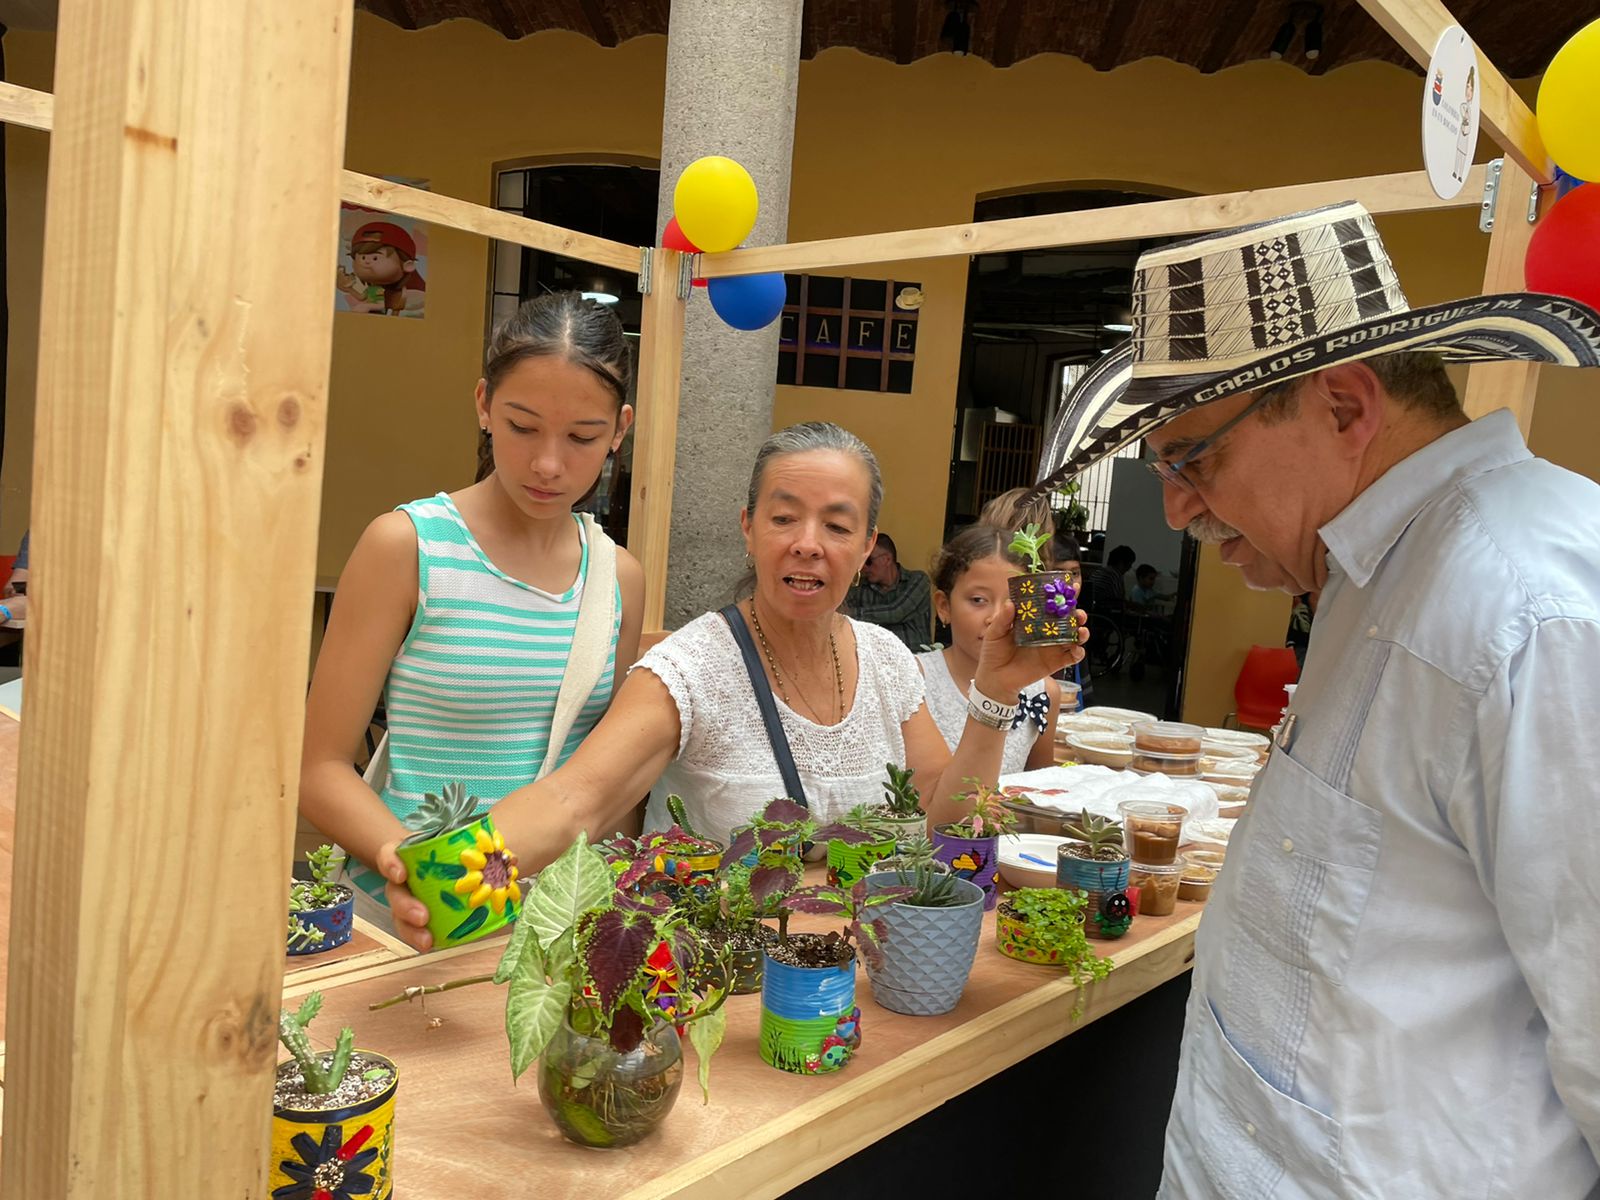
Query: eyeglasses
1172 472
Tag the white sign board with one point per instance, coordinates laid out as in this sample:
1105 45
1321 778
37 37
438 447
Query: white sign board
1450 112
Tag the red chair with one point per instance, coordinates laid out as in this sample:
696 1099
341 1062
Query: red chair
1258 694
8 563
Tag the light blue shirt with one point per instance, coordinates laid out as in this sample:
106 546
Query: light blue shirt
1397 981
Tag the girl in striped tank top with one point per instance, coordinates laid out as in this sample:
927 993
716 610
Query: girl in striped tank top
459 610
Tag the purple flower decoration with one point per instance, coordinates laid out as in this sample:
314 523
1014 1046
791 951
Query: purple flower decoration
1058 597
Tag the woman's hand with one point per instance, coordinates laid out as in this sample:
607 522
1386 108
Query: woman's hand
1005 668
410 914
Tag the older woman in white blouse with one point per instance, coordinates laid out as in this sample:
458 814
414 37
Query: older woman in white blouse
849 695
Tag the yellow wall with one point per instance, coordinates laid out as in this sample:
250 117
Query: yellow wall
877 147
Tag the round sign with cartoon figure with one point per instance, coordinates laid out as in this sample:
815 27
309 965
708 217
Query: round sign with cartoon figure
1450 110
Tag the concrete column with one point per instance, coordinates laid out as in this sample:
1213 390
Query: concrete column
732 70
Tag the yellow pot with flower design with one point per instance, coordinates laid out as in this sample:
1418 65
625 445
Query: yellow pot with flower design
458 865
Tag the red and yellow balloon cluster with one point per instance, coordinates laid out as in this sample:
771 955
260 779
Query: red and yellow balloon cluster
1564 253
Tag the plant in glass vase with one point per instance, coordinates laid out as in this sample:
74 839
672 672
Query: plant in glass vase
971 846
596 981
809 1020
1044 598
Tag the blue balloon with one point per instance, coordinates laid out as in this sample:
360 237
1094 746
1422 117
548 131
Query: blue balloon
1566 183
747 301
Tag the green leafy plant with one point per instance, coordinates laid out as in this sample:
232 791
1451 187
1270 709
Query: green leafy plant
319 1073
1053 922
900 795
587 953
931 886
1102 836
861 933
914 852
1027 543
1075 515
988 816
302 937
440 814
319 891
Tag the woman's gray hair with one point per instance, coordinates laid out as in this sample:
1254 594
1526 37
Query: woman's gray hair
820 435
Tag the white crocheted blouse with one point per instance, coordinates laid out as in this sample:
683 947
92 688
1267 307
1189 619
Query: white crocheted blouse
947 704
725 770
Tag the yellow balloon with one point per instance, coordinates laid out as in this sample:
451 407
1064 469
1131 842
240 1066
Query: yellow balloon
1569 105
715 203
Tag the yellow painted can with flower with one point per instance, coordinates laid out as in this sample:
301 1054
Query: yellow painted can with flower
468 880
344 1153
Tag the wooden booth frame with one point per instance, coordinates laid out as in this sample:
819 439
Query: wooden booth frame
182 405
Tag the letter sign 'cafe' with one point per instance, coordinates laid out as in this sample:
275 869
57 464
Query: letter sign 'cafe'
849 333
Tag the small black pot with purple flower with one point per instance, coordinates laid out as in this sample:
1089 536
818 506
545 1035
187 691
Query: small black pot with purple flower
1045 600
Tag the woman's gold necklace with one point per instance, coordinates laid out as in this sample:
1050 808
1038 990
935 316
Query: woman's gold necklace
777 675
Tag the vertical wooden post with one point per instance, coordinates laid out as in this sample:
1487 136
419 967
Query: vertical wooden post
655 440
187 311
1507 384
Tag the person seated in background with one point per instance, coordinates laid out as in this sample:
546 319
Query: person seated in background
892 597
1143 593
14 598
1105 584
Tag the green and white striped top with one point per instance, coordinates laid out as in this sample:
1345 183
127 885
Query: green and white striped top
472 692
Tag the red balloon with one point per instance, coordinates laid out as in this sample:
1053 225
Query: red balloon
1564 253
672 238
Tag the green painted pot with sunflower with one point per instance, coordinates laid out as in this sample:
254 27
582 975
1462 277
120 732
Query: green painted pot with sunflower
332 1117
458 865
1045 600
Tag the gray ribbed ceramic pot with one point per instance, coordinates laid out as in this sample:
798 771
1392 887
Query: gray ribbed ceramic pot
928 953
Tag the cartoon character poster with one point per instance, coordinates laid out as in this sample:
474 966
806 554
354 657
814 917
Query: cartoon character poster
383 261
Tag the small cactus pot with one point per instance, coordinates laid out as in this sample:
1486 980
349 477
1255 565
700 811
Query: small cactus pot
335 921
850 862
467 878
928 953
901 829
1044 602
347 1150
973 859
1090 874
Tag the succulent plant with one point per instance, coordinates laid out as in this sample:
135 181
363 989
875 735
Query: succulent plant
1028 542
900 795
1100 833
440 814
320 1077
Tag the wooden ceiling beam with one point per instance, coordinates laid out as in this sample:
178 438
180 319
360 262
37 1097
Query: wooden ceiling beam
600 27
1108 53
1007 32
1225 36
905 31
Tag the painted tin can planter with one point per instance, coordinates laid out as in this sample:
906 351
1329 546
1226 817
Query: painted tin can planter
901 829
850 863
1108 915
345 1151
928 952
689 869
972 859
468 880
599 1096
336 921
809 1020
1090 875
1015 940
1044 602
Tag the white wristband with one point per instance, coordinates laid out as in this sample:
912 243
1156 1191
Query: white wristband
989 712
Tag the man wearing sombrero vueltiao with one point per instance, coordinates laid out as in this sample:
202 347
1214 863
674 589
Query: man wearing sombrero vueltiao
1396 989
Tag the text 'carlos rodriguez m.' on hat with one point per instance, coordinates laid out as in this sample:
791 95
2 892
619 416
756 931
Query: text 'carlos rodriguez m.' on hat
1248 308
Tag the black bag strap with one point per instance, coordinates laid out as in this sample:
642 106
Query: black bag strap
768 706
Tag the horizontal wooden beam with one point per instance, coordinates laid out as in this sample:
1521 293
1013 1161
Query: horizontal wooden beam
1416 26
35 109
1404 192
24 106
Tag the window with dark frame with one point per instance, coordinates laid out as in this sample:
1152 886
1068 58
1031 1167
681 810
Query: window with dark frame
859 334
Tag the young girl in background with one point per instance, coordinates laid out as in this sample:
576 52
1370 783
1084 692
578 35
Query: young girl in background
970 580
462 610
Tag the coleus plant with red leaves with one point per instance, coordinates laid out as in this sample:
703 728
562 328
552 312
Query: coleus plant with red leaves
589 954
862 933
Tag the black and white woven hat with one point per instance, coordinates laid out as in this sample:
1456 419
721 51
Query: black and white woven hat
1248 308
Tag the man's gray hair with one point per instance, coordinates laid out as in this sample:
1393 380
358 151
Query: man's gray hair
819 435
1415 378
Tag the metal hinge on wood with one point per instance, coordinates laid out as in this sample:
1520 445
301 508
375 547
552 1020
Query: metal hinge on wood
645 256
1491 195
686 275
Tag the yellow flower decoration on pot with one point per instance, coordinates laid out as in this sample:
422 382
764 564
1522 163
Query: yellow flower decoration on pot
1027 610
1026 587
1051 629
491 876
1028 628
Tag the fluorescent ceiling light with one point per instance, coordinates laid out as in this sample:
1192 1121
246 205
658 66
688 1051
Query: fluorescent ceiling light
601 297
1117 328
